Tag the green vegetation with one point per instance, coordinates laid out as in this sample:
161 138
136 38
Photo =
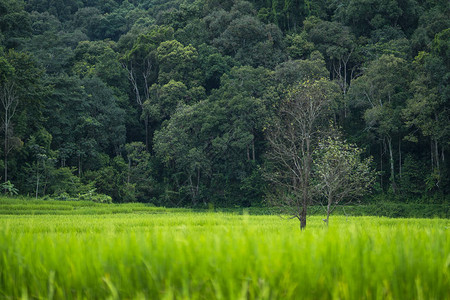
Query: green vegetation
26 206
56 207
118 116
150 253
172 102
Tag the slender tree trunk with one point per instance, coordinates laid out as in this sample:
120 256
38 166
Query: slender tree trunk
79 165
253 148
139 99
303 216
9 103
248 153
330 201
197 187
381 165
431 154
305 185
436 151
391 161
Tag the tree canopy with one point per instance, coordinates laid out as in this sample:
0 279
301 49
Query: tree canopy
177 102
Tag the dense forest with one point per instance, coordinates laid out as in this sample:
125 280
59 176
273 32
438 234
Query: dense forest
169 102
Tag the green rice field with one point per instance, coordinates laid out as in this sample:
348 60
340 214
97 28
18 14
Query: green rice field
82 250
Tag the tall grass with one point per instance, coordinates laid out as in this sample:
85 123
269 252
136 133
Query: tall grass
222 256
17 206
26 206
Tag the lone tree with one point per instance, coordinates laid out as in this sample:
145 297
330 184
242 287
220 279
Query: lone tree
339 172
293 137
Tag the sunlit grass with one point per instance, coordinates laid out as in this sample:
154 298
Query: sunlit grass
185 255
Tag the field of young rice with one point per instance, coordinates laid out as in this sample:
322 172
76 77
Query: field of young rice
165 254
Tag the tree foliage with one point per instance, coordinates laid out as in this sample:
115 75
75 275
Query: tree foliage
203 85
339 172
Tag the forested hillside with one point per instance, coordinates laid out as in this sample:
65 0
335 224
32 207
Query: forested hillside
170 102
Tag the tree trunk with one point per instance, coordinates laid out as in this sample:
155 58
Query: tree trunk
381 166
303 217
9 103
305 184
79 165
391 161
253 149
431 154
248 153
305 200
330 201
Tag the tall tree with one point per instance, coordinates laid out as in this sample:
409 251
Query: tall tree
250 41
427 110
141 64
20 93
177 62
340 173
337 44
9 101
382 91
179 146
293 137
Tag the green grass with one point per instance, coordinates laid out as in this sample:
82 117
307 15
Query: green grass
26 206
177 254
10 206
